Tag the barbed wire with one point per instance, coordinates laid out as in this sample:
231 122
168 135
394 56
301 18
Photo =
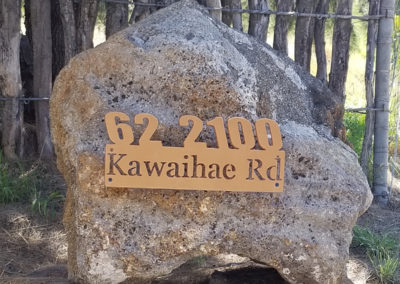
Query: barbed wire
23 99
267 12
364 110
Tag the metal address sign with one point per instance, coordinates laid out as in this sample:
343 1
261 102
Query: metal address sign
246 164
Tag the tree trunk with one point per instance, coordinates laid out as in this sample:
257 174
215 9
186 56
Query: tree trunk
85 20
382 100
369 92
69 31
62 33
42 80
258 24
57 37
27 22
10 75
141 12
116 18
319 35
215 14
237 17
232 18
304 33
26 63
340 60
226 16
282 25
340 49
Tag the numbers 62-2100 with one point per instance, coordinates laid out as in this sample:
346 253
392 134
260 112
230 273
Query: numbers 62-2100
240 131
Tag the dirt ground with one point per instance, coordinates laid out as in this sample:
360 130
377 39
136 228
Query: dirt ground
33 248
382 221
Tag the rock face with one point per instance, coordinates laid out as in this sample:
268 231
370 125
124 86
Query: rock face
179 61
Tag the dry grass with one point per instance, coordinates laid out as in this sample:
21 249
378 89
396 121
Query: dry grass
358 271
28 241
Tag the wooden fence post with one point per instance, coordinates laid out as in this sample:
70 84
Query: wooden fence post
382 99
10 76
369 83
42 72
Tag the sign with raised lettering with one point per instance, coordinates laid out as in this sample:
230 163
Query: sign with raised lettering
245 164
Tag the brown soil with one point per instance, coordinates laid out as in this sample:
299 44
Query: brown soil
33 248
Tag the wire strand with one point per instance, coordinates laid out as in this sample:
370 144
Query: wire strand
23 99
265 12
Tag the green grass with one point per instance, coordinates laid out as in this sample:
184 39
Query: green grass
30 184
355 127
385 266
373 242
382 251
15 184
45 205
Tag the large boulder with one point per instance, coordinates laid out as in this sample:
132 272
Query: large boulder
180 61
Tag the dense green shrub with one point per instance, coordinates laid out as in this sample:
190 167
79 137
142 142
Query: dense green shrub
355 124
